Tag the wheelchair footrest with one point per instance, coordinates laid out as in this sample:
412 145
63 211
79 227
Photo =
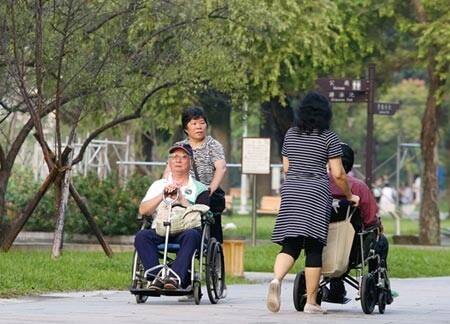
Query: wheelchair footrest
344 300
162 292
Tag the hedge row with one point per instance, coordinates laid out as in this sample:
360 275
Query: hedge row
114 207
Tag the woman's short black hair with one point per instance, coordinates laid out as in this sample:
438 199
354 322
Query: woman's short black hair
348 157
314 113
194 112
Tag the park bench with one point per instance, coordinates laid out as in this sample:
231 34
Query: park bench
269 205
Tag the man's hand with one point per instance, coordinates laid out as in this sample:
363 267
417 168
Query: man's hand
172 191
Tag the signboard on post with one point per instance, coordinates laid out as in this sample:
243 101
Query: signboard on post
255 155
345 90
383 108
355 91
255 160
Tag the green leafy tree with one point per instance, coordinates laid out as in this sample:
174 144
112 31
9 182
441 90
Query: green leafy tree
96 65
425 23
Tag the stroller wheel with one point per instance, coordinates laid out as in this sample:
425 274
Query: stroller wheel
368 293
382 300
300 291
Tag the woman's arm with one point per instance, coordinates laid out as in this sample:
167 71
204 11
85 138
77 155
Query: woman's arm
149 206
219 173
285 164
340 178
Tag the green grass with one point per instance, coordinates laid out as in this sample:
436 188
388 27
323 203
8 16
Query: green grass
31 273
403 261
25 273
264 225
28 273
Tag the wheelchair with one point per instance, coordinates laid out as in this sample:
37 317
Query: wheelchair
207 265
366 271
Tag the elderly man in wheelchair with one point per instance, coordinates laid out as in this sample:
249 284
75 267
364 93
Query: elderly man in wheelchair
355 253
178 188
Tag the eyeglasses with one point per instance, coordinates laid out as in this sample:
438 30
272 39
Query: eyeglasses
174 156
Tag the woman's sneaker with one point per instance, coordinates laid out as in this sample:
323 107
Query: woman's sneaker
314 309
273 297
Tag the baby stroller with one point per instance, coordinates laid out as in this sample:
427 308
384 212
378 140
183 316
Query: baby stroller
366 270
207 262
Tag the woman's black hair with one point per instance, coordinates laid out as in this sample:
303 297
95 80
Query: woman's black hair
314 113
348 157
194 112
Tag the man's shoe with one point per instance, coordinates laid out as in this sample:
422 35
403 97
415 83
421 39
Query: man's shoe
171 284
391 295
337 291
156 284
314 309
273 297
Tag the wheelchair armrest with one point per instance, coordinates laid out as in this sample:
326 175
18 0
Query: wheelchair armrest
144 220
208 218
372 228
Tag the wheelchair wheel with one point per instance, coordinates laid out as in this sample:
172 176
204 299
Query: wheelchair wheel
300 291
368 293
215 271
197 292
137 278
382 300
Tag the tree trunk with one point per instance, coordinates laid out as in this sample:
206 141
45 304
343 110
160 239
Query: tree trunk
4 222
62 207
429 233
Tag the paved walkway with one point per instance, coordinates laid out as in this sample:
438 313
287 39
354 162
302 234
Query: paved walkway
425 300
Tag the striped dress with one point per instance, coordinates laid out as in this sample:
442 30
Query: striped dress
305 194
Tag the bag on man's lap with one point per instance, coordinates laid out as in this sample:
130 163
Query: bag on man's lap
182 218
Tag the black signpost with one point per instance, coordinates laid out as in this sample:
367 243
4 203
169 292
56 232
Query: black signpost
345 90
349 90
383 108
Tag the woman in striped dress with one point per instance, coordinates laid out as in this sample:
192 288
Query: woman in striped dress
302 222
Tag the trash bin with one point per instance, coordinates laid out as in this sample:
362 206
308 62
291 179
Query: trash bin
233 251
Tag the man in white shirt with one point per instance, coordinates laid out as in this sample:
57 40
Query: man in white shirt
179 186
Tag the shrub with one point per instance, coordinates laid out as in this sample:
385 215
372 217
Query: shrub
113 207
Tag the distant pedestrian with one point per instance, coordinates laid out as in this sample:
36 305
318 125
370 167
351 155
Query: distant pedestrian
417 189
388 199
406 199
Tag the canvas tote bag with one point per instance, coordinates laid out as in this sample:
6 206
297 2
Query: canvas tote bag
336 254
182 218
